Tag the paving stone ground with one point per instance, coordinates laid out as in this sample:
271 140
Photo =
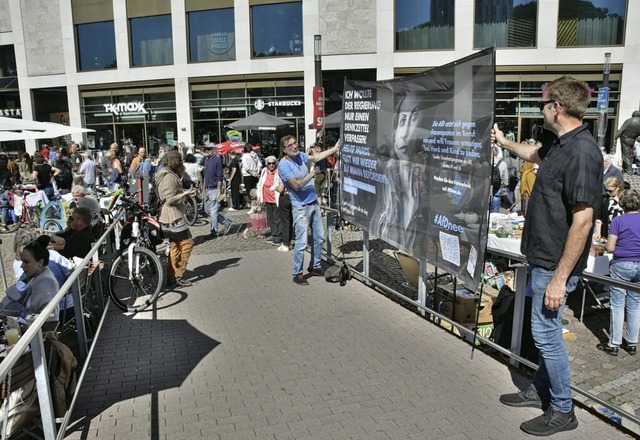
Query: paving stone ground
244 353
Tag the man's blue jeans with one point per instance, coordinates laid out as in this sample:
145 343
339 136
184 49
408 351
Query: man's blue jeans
4 211
621 300
496 200
303 217
553 376
214 206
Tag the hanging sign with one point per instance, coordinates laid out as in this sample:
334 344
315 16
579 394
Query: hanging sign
318 107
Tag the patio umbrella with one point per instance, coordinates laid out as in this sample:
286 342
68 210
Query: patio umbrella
13 129
225 147
259 121
334 120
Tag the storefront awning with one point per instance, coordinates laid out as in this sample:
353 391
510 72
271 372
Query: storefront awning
14 129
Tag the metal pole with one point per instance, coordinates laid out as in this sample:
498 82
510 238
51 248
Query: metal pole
317 58
603 104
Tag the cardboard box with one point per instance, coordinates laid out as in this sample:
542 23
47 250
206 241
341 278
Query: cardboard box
484 330
466 304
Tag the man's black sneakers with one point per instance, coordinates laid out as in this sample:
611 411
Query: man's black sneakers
525 398
300 280
317 271
550 423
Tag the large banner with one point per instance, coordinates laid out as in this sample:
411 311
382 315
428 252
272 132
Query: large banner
416 162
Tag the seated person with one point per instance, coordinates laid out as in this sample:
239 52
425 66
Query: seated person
59 266
42 284
75 241
82 200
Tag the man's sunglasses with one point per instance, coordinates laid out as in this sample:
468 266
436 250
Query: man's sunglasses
543 104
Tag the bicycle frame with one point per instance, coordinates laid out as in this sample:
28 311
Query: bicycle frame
138 238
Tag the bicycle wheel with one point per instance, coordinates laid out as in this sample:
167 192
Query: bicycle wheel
135 293
190 210
52 226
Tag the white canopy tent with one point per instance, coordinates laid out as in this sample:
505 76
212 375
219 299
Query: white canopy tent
13 129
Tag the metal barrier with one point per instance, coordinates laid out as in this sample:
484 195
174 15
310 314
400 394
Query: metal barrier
520 267
33 338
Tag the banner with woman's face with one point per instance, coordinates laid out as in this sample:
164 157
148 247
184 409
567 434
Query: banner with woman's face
416 162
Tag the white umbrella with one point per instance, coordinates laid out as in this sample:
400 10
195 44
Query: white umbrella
13 129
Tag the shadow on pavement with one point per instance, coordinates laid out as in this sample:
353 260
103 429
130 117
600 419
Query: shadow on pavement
153 355
210 270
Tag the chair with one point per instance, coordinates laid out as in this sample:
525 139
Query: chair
410 269
19 395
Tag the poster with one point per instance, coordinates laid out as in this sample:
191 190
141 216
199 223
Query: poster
416 162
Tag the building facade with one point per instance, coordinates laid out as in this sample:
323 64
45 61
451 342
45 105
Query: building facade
154 71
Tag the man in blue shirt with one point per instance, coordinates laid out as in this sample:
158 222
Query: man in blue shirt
295 174
213 176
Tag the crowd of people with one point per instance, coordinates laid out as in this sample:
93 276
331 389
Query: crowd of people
569 191
176 173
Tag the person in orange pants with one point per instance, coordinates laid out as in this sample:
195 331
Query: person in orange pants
174 226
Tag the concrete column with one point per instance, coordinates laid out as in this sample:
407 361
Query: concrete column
121 29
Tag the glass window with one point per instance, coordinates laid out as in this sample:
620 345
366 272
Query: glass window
96 46
594 23
424 24
212 35
7 61
260 92
151 41
505 23
276 29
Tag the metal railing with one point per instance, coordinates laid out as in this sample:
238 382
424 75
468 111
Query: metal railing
33 339
520 268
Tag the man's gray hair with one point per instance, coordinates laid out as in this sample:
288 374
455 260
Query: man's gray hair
81 189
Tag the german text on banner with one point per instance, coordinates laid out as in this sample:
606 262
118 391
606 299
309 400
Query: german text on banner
416 162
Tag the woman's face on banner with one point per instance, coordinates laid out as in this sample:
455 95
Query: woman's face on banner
407 139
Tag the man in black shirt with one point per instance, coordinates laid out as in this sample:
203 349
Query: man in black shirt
76 241
556 242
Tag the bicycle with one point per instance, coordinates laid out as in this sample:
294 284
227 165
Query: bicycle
136 274
19 211
190 210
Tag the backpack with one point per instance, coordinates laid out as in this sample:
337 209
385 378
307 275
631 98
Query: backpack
65 178
496 180
155 204
338 273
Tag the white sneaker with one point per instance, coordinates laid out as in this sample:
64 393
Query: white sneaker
283 248
231 209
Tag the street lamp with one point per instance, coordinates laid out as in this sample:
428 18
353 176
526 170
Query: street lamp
603 102
317 58
318 91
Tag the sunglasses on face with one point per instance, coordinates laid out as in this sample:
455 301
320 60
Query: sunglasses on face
543 104
271 163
